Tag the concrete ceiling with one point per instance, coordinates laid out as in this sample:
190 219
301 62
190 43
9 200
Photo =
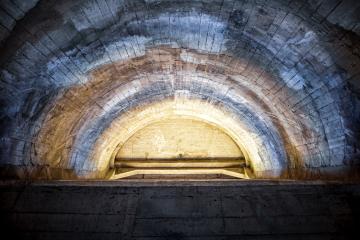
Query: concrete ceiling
281 74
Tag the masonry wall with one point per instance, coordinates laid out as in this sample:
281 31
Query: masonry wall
180 210
286 70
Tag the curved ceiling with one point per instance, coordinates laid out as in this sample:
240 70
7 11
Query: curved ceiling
279 74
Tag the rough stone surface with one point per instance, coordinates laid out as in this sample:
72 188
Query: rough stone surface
286 71
180 210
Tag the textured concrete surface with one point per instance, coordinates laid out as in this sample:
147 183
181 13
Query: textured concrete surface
180 210
179 138
283 73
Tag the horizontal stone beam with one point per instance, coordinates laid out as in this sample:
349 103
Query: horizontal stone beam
181 163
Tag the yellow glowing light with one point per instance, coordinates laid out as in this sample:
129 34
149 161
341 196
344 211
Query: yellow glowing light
123 128
179 138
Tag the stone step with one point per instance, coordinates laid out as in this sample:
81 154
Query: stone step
233 172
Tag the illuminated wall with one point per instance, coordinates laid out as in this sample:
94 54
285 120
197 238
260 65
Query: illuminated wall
179 138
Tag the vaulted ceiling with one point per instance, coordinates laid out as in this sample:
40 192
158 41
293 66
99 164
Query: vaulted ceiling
281 78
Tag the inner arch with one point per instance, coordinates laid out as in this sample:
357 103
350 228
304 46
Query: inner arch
263 153
180 146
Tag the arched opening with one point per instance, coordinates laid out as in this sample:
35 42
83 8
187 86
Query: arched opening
180 146
259 150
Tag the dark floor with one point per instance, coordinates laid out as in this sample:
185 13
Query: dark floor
149 209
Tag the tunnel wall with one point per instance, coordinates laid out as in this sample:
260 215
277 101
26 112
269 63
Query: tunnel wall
288 68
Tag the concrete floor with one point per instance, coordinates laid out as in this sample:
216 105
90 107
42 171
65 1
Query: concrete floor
152 209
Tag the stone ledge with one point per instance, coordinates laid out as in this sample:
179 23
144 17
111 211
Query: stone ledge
173 183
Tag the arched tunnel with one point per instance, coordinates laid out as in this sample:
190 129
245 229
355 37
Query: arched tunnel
183 94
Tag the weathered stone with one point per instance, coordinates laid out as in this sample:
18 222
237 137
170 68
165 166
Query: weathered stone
285 71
